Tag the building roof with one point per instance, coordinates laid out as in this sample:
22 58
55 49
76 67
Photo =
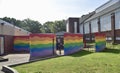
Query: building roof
105 11
85 17
9 24
106 5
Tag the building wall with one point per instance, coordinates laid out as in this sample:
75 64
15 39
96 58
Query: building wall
20 32
108 23
8 44
117 32
71 25
7 31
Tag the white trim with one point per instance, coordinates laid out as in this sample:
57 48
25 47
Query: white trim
1 45
67 27
106 5
75 27
117 38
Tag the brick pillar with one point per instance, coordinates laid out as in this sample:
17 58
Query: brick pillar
83 33
113 27
90 34
78 31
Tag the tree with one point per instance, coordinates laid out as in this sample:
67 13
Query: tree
32 26
36 27
27 24
59 26
47 27
54 27
13 21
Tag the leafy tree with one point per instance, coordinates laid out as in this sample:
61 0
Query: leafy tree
54 27
13 21
32 26
59 26
47 27
36 27
27 24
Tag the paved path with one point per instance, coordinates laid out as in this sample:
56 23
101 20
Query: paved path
1 72
58 52
15 59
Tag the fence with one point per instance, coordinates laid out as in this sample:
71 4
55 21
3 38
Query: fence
72 43
42 45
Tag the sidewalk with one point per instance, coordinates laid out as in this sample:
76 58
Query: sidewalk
15 59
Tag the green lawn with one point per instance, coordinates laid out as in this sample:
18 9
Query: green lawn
81 62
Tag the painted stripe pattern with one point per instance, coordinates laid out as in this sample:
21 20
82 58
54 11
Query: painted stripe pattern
42 45
72 43
21 43
100 42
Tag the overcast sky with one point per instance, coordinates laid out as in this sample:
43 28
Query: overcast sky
47 10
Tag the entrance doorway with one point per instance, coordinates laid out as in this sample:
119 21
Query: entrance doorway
60 45
1 45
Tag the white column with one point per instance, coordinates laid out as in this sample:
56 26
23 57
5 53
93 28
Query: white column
75 27
67 27
1 45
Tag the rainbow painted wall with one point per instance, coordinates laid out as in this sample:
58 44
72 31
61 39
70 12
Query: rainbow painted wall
100 42
42 45
21 43
72 43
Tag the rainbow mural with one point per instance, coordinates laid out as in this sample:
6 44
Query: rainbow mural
72 43
100 40
21 43
42 45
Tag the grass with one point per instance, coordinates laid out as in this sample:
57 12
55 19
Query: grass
84 61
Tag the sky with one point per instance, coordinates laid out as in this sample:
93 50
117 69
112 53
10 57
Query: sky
47 10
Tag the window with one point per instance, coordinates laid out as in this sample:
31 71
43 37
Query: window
94 25
81 28
105 22
117 20
118 38
87 29
75 27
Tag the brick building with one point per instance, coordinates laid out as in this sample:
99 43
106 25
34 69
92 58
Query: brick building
7 31
72 25
105 19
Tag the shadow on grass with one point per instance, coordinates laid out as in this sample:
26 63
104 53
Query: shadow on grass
115 51
81 53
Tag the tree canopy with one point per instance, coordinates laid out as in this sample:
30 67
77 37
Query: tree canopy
36 27
54 27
